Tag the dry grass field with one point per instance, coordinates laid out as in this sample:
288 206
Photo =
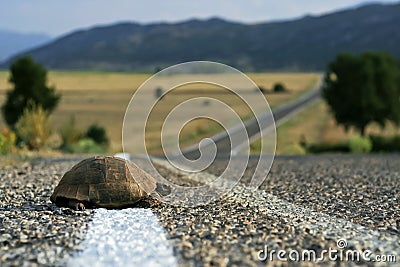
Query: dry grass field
102 98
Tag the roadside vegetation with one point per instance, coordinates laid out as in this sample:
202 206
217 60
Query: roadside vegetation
27 110
82 112
364 89
315 130
360 112
361 91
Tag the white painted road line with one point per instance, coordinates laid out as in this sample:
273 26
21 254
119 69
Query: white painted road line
128 237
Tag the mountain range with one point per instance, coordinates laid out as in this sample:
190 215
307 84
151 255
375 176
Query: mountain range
304 44
13 42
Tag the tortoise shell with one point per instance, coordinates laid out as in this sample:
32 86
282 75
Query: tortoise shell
103 181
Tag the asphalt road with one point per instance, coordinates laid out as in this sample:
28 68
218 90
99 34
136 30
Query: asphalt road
306 203
254 126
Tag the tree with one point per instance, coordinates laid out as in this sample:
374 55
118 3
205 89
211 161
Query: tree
363 89
279 87
29 80
97 134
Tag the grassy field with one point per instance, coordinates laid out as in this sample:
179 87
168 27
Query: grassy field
102 98
316 125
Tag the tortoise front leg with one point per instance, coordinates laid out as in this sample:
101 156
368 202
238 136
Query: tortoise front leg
74 204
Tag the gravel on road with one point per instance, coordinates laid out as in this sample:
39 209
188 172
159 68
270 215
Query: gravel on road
33 231
306 202
361 189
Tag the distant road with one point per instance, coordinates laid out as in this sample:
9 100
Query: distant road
282 113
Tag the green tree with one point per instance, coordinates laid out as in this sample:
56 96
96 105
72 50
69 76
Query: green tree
29 80
363 89
279 87
97 134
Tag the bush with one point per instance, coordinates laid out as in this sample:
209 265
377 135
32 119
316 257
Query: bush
353 145
360 144
33 128
7 141
54 141
385 144
158 92
70 134
206 103
3 149
86 145
97 134
328 148
294 149
279 87
95 139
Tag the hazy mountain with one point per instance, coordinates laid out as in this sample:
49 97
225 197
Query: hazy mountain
307 43
14 42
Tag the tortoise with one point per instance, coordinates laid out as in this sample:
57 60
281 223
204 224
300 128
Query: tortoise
104 182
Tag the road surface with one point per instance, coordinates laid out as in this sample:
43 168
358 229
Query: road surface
306 203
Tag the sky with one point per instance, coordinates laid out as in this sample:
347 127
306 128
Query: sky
56 17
